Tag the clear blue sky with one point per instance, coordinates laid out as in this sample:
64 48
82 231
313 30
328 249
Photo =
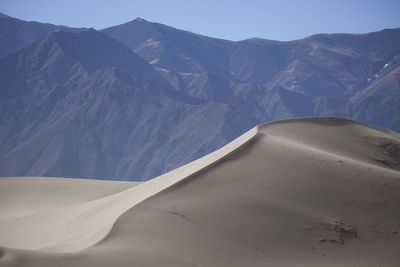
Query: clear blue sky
227 19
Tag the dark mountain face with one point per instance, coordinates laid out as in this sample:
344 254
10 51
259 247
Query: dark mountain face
86 105
16 34
63 58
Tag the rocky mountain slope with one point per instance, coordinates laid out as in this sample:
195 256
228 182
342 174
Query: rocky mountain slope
85 105
16 34
136 100
324 74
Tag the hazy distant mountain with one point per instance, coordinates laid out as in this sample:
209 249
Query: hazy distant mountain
86 105
173 49
16 34
379 103
319 75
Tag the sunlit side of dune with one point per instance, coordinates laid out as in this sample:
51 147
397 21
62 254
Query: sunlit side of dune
78 226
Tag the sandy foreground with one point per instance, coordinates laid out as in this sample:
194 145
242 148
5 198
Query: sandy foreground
298 192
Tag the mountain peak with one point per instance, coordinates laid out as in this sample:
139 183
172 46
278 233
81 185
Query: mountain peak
91 30
93 50
2 15
139 19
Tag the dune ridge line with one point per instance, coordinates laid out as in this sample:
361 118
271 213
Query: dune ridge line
310 190
76 227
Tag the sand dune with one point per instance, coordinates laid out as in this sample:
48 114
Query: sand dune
25 195
299 192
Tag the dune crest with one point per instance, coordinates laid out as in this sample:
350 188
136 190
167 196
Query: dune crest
79 226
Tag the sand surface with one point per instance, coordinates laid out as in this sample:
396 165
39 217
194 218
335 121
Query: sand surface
299 192
25 195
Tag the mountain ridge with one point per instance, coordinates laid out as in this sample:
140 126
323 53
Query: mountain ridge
18 33
90 106
93 122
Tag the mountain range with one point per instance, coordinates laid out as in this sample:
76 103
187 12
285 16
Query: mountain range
133 101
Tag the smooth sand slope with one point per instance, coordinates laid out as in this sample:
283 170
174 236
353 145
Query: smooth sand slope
27 195
300 192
